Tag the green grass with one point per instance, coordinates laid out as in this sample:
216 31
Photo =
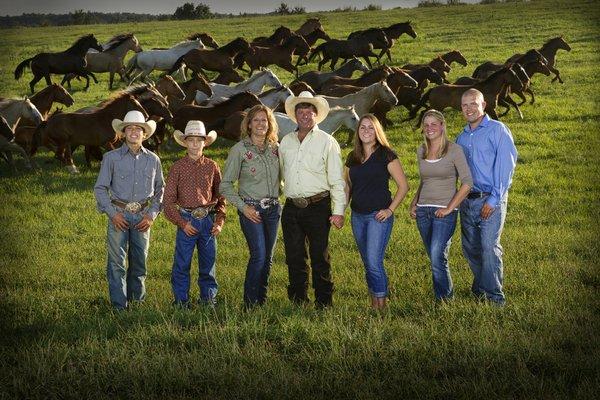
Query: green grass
60 339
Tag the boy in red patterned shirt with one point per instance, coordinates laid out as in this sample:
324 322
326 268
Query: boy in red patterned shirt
192 202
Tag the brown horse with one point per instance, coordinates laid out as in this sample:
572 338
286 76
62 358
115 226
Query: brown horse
169 88
209 115
43 101
277 37
221 59
280 55
447 95
487 68
316 78
375 36
344 49
549 50
437 63
308 26
206 39
392 33
229 127
70 60
368 78
88 129
454 56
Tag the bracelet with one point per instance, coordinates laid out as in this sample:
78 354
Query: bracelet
392 211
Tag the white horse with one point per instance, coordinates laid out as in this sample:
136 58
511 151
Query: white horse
337 117
254 84
14 109
162 60
271 98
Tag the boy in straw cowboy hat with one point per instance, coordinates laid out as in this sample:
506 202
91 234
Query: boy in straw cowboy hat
192 202
312 169
129 189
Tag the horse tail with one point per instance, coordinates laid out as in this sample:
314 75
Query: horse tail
422 102
180 61
21 67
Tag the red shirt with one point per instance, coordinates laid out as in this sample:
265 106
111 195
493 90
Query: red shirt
193 184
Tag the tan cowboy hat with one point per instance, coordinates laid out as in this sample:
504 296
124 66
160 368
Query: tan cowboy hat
195 128
306 97
134 118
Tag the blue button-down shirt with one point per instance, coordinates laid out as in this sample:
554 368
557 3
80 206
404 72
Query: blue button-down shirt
129 177
492 157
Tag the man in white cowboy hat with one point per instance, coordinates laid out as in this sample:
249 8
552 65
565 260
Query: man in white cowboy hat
193 203
312 170
129 190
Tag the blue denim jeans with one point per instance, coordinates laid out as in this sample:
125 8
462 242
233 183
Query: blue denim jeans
437 238
184 250
126 248
261 240
482 249
372 238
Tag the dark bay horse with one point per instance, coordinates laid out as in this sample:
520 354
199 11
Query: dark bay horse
448 95
208 115
454 56
549 50
437 63
316 78
368 78
375 36
71 60
220 59
309 25
228 76
392 32
336 49
89 129
277 37
280 55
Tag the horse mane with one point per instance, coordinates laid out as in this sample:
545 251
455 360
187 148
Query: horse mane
495 74
183 43
115 97
236 40
239 95
117 40
80 40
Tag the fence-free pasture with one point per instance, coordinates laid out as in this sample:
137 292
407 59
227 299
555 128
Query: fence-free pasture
60 338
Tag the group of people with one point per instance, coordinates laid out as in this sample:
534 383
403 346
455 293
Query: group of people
307 167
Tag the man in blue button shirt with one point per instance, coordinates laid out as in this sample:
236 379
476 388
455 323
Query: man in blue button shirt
492 156
129 190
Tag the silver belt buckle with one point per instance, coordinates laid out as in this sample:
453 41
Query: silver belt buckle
300 202
133 207
265 203
199 213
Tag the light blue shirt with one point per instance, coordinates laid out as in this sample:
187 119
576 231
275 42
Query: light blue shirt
492 157
127 177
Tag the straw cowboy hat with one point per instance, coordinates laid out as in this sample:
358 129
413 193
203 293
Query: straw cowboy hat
306 97
195 128
134 118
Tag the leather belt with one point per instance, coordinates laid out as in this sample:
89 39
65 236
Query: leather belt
198 212
477 195
303 202
133 207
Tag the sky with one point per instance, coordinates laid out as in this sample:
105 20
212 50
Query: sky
18 7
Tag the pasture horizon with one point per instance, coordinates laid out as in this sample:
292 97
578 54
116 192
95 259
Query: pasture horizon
61 339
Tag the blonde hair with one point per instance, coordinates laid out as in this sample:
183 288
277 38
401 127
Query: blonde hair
358 153
273 128
444 145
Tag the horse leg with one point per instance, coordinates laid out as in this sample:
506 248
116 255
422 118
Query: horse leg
333 62
69 160
366 58
530 91
87 152
36 79
182 72
557 73
111 78
48 80
491 110
322 62
389 54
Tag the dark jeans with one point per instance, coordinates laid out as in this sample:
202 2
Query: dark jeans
301 226
261 240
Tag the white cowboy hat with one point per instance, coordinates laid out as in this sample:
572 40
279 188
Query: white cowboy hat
306 97
195 128
134 118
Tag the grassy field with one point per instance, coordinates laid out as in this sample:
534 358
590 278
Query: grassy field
59 337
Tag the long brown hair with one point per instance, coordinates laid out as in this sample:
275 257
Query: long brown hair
273 128
426 147
358 153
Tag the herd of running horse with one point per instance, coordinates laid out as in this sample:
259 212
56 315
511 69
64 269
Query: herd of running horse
26 124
